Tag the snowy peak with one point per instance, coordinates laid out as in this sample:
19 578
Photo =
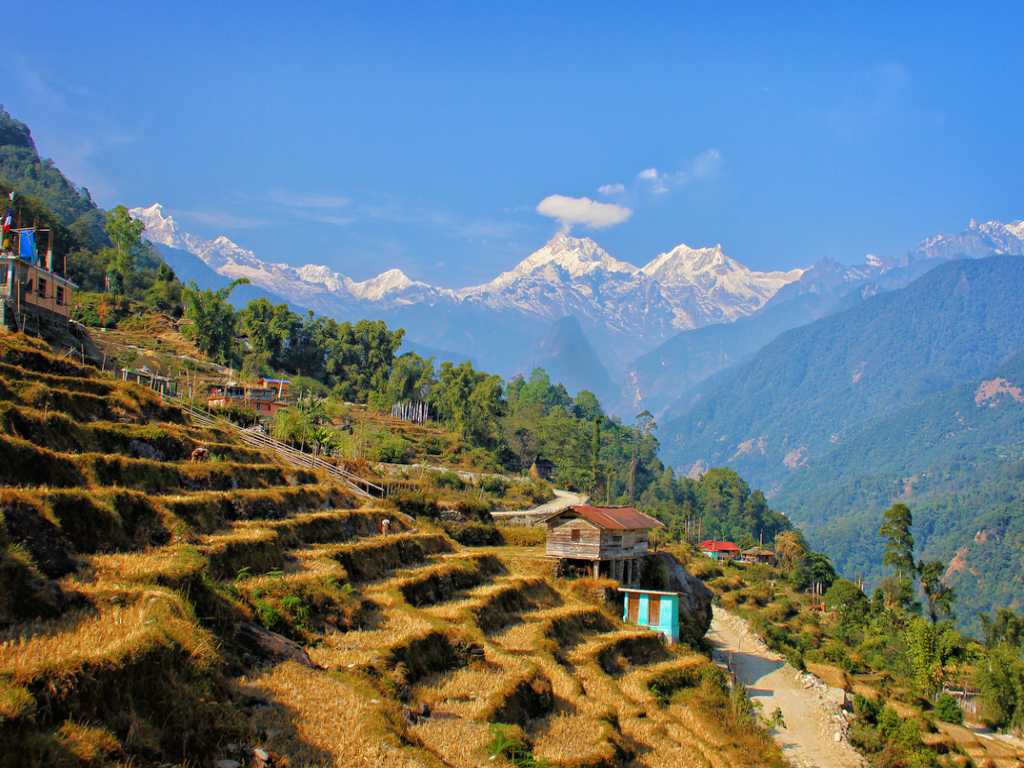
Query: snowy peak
704 285
576 255
684 263
975 242
159 228
376 288
709 265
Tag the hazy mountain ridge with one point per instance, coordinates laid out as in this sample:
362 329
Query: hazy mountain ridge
912 394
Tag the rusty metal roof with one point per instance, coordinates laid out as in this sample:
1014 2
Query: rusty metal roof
612 518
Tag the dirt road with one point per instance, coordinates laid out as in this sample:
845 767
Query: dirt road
562 500
813 734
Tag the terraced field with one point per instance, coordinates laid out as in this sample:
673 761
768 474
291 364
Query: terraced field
155 611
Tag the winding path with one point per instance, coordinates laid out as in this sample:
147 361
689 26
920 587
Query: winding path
814 732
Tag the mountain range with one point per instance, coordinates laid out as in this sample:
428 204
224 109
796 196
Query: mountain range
622 309
650 334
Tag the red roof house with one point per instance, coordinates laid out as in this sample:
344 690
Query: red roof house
719 550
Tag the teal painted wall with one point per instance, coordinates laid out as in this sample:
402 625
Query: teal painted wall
667 622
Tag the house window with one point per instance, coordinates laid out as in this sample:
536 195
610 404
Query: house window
42 287
575 536
617 540
60 295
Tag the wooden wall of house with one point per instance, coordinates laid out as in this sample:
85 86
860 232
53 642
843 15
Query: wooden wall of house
616 544
593 543
561 543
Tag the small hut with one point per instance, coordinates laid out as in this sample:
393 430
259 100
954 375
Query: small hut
606 541
654 609
758 555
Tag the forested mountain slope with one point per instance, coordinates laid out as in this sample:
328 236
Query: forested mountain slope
958 459
843 416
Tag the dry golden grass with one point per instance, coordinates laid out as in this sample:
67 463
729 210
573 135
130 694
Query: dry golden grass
330 719
153 617
461 743
165 565
365 648
441 625
575 740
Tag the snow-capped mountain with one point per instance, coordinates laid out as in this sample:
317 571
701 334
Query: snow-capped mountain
307 284
568 276
705 286
977 241
571 276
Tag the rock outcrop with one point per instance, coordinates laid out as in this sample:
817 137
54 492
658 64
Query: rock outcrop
695 597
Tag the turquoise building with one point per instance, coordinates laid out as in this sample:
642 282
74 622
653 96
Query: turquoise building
653 609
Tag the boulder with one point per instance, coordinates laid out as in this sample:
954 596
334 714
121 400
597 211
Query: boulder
271 644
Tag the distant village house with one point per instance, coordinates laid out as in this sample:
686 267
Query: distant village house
719 550
266 397
600 541
758 554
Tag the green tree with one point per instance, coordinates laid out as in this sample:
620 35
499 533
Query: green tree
939 596
411 379
1003 626
211 321
850 605
814 568
1000 678
165 293
125 233
899 553
595 456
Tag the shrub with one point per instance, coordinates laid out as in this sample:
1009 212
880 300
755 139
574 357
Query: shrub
474 534
416 503
393 449
948 710
498 486
449 480
243 417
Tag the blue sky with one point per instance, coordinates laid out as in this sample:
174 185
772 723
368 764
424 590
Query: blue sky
376 135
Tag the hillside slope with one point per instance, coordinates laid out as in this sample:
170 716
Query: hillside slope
840 417
155 610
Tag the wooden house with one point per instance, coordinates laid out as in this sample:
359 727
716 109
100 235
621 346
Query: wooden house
264 400
758 554
652 608
605 541
719 550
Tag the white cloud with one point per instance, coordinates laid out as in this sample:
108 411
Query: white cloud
611 189
704 165
582 210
